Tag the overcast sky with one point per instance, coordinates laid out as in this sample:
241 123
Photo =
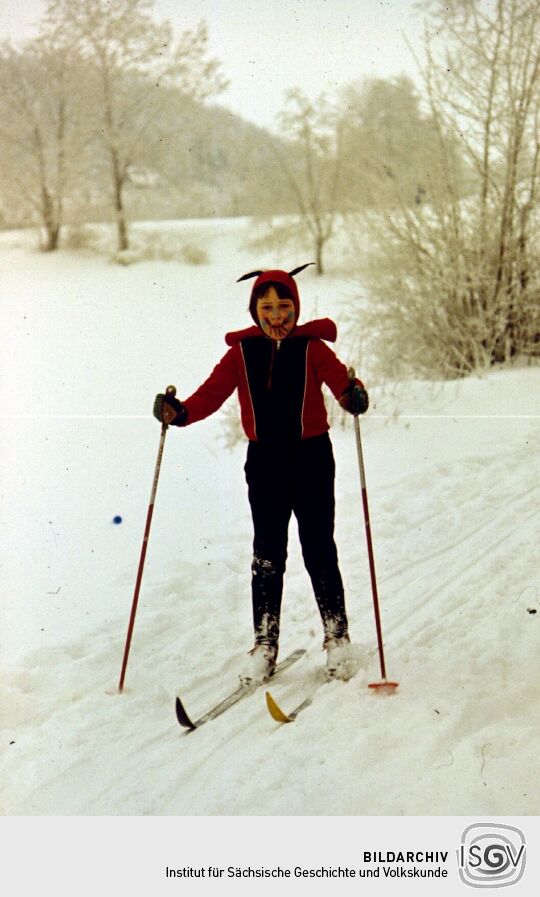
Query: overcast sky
268 46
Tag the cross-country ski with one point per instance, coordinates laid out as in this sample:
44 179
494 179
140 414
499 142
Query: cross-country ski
279 715
242 691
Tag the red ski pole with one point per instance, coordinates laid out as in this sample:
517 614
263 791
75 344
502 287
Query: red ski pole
170 391
384 685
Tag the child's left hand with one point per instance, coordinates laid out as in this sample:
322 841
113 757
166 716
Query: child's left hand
355 400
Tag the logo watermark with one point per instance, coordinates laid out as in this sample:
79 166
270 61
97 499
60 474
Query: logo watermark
491 855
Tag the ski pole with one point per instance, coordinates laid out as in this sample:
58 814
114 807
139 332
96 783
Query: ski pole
170 391
384 685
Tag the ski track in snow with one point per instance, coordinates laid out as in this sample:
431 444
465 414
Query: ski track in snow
454 509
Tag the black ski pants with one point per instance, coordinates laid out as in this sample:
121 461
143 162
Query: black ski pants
295 477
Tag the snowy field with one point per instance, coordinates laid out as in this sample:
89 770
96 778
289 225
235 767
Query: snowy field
453 483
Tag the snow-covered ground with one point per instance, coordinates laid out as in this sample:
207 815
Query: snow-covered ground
453 484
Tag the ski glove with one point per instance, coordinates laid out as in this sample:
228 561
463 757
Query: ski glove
355 400
171 405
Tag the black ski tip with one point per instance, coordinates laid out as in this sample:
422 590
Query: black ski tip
182 716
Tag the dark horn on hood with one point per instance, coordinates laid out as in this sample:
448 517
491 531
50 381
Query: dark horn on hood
251 274
301 268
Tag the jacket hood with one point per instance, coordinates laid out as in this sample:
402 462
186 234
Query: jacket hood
275 276
322 328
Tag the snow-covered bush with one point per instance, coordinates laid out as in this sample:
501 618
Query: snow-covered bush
148 244
454 279
435 307
192 254
79 236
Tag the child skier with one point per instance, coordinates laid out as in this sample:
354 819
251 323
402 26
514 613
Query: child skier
278 367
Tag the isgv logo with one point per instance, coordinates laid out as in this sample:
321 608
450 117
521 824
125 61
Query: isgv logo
491 855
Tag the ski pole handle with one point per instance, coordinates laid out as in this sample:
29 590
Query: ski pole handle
170 391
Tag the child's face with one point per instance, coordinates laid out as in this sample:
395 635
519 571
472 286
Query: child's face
276 316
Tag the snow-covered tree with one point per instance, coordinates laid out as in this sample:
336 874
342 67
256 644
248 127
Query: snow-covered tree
41 135
311 166
131 59
389 144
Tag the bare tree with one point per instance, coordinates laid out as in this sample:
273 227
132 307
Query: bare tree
40 137
456 281
311 165
132 58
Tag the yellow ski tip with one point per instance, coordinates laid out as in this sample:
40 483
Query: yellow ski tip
275 711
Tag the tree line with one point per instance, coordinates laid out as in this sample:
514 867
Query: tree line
436 186
106 97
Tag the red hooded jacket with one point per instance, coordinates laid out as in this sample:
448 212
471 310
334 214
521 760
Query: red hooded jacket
279 384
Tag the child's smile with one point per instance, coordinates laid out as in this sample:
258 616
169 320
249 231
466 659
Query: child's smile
276 315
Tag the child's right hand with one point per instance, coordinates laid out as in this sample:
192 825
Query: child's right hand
168 410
